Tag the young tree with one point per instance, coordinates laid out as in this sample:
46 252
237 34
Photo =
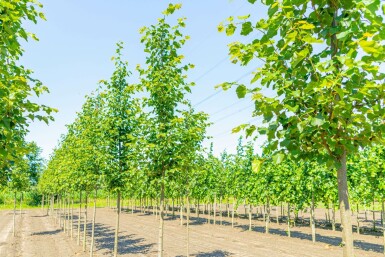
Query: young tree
164 80
121 119
321 59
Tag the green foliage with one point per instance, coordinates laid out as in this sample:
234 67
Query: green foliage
16 82
324 71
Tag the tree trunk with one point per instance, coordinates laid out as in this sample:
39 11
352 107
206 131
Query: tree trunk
197 210
343 196
220 211
181 211
358 220
161 220
334 218
187 225
21 202
215 210
288 220
42 202
79 216
277 214
72 217
250 227
14 215
93 226
267 216
85 222
383 223
232 216
312 221
117 225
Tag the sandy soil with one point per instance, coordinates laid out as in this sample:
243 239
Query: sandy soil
38 235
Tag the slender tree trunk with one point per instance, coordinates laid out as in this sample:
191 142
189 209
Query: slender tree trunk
220 211
64 204
358 220
42 202
173 208
85 222
383 223
343 196
232 216
93 226
197 210
334 218
79 216
312 221
117 225
14 215
277 214
288 220
268 215
187 225
72 217
21 202
161 221
181 211
215 210
250 226
374 218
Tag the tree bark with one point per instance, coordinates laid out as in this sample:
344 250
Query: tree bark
358 220
93 226
312 221
288 220
79 216
343 197
187 225
117 225
383 223
250 226
267 221
161 220
85 222
14 215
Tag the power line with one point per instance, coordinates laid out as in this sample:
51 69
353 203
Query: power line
227 107
211 69
221 134
232 114
214 94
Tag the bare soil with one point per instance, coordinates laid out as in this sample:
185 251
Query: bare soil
39 235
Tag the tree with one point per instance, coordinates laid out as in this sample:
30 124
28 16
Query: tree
164 80
16 82
321 60
122 118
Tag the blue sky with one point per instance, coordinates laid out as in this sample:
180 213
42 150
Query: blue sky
79 38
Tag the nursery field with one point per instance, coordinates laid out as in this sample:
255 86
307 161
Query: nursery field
305 178
38 234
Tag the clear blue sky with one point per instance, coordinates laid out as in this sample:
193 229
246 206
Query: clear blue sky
78 40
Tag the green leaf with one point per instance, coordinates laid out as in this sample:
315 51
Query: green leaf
241 91
256 165
247 27
230 29
278 158
244 17
371 47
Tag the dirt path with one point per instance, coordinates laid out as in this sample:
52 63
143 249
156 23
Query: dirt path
38 236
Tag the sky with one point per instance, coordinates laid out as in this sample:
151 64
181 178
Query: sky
79 38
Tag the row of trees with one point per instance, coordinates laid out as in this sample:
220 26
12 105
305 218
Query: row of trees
119 138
